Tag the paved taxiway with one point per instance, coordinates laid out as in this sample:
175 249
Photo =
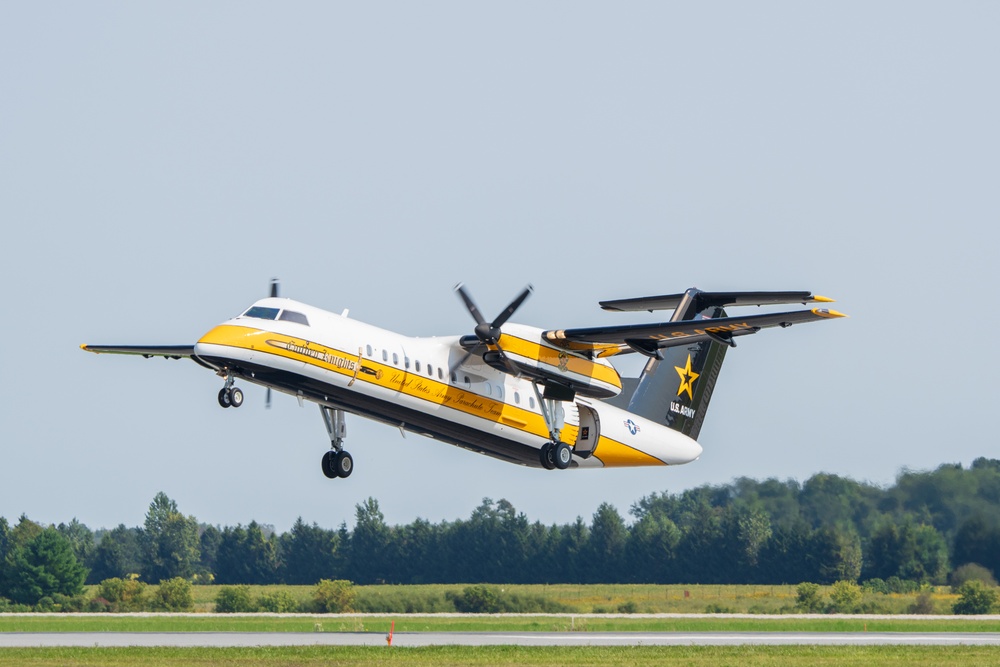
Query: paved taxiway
245 639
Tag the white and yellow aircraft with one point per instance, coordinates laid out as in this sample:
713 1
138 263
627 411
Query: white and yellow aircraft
536 397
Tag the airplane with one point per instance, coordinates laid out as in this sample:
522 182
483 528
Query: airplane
546 398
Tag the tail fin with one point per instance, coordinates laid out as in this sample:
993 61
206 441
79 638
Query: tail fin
675 388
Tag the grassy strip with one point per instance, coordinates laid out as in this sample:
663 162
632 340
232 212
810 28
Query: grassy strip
582 656
419 623
589 598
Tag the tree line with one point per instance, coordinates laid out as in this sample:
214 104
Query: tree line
827 529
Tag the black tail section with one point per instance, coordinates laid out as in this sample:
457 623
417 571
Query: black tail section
675 388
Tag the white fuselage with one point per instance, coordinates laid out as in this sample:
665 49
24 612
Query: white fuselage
417 384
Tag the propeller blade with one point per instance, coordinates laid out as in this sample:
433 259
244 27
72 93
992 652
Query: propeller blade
474 350
511 366
514 305
470 304
274 287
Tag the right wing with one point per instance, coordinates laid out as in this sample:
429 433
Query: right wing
147 351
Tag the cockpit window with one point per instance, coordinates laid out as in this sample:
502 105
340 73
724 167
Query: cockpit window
292 316
262 313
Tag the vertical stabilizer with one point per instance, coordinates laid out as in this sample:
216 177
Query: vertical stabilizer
675 390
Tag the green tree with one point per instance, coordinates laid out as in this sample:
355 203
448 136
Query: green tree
123 594
310 554
170 541
234 600
246 557
845 597
606 546
174 595
650 549
334 597
975 598
118 554
44 567
370 544
81 538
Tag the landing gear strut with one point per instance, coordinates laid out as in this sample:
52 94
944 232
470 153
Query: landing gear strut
337 462
230 396
555 453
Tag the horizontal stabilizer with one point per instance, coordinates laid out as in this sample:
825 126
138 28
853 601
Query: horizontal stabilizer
637 337
712 299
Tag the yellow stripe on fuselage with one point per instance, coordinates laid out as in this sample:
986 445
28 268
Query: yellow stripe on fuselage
560 359
385 375
614 454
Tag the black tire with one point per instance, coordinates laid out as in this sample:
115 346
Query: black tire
562 455
545 456
344 464
224 398
236 397
329 462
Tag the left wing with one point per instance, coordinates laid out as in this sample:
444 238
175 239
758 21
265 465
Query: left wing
147 351
647 338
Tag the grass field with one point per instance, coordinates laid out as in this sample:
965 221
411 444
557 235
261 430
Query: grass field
480 622
640 656
594 598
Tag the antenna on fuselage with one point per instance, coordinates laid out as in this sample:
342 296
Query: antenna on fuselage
274 287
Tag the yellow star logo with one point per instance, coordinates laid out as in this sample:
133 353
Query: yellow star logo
687 379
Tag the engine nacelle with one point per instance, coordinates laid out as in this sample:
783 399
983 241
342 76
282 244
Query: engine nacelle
555 367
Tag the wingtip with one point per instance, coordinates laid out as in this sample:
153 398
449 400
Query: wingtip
823 312
822 299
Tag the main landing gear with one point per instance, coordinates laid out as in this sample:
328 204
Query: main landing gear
337 462
230 396
555 453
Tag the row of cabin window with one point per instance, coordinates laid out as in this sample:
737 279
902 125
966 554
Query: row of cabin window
440 375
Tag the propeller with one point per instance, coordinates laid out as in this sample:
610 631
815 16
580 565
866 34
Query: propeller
488 333
274 293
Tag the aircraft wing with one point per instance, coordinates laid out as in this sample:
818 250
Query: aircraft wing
168 351
647 338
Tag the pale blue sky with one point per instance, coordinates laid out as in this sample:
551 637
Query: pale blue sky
160 162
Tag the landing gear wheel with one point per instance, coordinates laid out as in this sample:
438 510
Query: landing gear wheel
225 400
545 456
562 455
236 397
329 461
343 464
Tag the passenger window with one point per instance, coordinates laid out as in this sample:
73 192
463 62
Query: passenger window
430 371
395 359
500 391
368 349
406 362
385 356
454 378
468 382
440 373
417 365
517 398
489 389
531 402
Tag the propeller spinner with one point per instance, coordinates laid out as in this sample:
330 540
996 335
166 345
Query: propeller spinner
488 333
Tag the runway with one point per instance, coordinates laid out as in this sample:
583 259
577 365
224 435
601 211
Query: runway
412 639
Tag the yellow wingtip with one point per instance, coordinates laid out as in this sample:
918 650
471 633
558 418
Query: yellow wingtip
823 312
822 299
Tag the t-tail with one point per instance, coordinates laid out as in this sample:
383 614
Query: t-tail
677 383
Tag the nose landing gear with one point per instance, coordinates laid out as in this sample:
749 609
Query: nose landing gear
230 396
